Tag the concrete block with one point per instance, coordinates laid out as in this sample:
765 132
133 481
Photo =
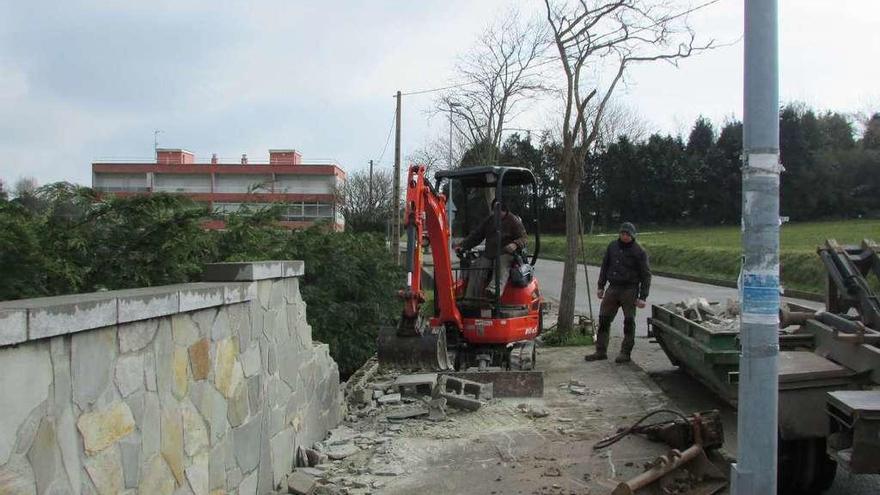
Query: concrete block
251 270
201 295
148 302
13 326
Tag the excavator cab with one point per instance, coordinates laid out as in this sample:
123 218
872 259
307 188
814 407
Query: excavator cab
467 190
497 331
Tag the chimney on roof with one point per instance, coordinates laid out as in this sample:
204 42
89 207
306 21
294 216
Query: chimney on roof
244 159
284 157
214 160
169 156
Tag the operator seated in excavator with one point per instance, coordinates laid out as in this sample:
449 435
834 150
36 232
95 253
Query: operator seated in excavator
513 241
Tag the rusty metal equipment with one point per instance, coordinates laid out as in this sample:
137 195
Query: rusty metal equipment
701 478
684 470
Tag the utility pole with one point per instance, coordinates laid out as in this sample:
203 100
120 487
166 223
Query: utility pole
450 210
371 184
395 226
755 469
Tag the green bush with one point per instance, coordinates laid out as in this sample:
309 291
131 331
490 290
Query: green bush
64 240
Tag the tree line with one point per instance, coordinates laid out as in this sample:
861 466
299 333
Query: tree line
65 239
832 171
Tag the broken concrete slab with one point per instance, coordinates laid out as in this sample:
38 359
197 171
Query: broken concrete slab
301 483
408 413
340 452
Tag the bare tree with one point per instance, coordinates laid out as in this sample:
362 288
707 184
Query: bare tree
597 41
25 187
498 74
620 120
366 204
435 155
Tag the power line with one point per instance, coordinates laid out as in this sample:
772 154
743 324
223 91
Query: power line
388 139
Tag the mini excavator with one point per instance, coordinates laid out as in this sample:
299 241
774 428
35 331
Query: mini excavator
493 332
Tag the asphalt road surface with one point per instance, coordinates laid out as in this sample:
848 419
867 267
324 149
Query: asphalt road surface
663 290
685 392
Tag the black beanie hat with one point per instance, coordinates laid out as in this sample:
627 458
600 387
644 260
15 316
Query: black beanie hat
628 228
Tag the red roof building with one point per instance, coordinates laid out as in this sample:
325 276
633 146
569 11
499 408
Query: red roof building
306 190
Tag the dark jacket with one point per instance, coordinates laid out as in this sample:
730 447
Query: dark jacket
512 230
626 265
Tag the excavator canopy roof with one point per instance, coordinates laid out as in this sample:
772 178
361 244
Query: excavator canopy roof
488 176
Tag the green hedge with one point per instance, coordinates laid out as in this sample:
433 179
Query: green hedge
801 270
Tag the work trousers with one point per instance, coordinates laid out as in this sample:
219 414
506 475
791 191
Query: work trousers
617 297
480 271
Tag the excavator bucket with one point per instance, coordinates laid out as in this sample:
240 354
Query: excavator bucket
424 350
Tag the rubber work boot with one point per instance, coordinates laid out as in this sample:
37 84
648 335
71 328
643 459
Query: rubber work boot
596 356
622 358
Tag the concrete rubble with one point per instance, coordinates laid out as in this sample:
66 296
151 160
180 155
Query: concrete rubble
712 315
357 457
419 441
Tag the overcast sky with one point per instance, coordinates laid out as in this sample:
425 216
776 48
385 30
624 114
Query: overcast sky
84 80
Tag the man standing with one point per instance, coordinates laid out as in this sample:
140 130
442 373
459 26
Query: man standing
625 268
513 237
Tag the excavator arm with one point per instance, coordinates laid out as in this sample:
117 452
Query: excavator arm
426 213
414 343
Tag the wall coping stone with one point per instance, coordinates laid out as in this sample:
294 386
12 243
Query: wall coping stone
252 271
24 320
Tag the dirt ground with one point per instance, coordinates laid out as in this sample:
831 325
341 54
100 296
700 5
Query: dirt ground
501 449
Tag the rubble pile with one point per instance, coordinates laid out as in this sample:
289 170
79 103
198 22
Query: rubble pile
358 457
712 315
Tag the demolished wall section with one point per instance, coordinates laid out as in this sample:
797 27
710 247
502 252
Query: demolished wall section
194 388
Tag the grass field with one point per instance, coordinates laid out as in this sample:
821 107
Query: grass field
714 253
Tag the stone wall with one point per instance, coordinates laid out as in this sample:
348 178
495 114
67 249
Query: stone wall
195 388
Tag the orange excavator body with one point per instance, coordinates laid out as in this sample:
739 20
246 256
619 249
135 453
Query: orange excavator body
454 335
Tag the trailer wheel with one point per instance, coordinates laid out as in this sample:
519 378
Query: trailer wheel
804 467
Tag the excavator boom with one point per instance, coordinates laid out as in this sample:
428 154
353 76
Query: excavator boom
414 344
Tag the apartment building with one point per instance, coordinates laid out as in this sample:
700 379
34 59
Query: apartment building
306 190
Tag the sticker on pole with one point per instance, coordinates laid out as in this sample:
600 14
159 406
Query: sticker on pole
760 298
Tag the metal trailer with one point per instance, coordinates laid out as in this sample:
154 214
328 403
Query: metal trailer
829 372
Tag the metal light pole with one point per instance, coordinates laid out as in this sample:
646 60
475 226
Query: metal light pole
755 469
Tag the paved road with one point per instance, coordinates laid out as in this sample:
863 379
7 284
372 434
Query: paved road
685 392
663 290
